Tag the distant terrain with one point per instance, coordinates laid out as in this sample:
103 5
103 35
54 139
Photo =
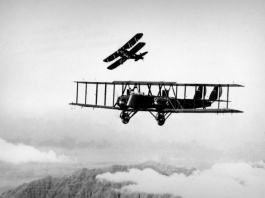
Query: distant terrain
83 183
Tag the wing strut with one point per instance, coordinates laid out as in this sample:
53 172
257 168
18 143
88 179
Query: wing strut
203 93
113 94
184 96
195 97
218 97
97 94
176 95
124 88
86 93
105 94
227 96
77 93
149 89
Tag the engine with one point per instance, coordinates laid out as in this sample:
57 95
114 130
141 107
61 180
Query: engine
122 101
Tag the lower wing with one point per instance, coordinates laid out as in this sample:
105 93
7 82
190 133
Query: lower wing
112 57
117 63
201 111
95 106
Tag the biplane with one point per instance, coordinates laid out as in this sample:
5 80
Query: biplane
161 99
125 54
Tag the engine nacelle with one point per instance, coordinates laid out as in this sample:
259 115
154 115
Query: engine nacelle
160 118
122 101
214 93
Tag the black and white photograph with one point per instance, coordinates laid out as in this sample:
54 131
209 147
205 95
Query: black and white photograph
132 99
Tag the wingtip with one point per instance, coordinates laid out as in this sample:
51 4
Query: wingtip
139 35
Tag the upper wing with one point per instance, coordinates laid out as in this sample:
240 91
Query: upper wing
117 63
174 83
133 40
136 48
159 83
112 56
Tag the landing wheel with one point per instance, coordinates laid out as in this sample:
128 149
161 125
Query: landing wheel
125 117
160 118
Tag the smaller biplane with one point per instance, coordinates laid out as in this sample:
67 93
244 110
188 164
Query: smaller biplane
125 54
140 96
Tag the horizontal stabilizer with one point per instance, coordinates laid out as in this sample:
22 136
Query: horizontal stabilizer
144 53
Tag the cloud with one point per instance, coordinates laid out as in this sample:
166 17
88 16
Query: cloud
21 153
230 180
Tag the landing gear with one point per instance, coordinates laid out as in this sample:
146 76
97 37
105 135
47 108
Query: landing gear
126 116
160 118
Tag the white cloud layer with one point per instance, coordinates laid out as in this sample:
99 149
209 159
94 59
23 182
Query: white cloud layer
21 153
230 180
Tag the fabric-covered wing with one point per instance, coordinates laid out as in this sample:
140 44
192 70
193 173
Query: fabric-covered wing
193 110
202 111
95 106
117 63
136 48
133 40
112 57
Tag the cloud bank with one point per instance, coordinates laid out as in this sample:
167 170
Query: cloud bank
21 153
230 180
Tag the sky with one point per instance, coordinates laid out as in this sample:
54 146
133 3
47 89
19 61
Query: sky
46 45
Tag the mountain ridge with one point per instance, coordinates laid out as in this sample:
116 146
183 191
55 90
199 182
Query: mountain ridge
83 183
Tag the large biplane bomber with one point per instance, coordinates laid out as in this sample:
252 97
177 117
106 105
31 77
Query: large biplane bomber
160 98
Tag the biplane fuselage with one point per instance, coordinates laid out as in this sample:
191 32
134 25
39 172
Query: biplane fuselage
127 55
143 102
124 54
164 103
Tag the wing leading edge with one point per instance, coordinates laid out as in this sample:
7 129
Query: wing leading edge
117 63
112 56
